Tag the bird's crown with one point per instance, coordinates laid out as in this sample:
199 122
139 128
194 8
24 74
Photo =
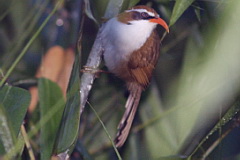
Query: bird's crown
141 13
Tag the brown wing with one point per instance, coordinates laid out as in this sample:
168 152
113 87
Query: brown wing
142 63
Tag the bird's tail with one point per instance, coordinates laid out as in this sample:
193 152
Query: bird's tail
127 119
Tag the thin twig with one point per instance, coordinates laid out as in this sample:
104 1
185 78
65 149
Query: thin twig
214 145
26 140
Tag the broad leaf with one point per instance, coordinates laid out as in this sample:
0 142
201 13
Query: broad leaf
13 107
51 102
68 132
179 7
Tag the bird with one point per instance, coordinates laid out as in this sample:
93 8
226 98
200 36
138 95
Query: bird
131 47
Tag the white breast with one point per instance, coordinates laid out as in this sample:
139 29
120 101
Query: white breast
120 40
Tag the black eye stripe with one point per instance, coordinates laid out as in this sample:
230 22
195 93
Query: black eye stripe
136 15
149 17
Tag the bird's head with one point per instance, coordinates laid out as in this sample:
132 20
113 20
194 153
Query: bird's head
142 15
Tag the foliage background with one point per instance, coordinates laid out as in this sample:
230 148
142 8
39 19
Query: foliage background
190 110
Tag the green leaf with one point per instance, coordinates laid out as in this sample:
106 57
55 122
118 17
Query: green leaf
13 107
128 4
115 6
179 7
106 8
157 133
7 135
50 96
209 82
88 11
98 8
68 132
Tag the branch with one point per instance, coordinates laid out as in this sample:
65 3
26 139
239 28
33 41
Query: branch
88 76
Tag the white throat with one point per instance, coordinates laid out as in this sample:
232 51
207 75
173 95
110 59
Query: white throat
120 39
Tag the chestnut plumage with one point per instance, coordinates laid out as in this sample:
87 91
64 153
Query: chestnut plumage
131 50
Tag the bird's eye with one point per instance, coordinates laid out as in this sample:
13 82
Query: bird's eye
144 15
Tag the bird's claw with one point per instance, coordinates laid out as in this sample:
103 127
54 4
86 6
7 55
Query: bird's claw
92 70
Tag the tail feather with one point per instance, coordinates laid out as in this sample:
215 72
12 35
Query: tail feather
127 119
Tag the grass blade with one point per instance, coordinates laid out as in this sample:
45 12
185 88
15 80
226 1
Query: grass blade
105 129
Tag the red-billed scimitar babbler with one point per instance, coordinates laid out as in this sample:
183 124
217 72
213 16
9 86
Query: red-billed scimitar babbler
131 50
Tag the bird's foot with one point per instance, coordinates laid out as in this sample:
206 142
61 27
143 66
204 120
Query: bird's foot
92 70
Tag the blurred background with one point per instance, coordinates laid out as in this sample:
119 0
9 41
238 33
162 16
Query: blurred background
190 110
